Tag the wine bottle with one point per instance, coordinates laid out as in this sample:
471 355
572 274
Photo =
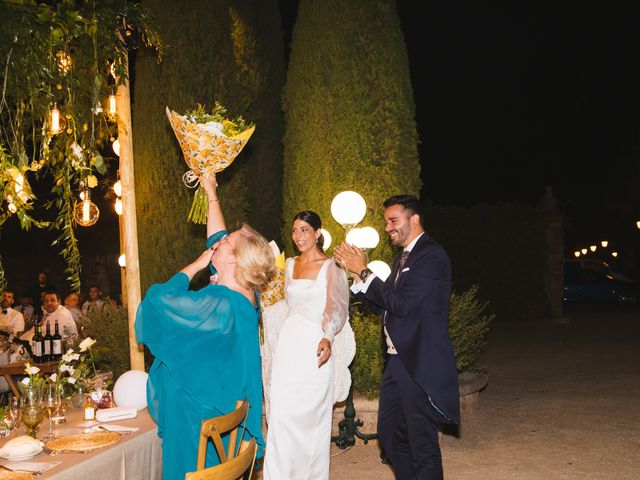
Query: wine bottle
47 345
56 344
37 345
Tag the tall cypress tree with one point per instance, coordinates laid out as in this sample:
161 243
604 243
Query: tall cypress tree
229 51
349 112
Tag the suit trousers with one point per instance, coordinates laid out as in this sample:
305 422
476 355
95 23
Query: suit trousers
408 425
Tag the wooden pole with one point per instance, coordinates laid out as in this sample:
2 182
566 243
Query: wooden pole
129 225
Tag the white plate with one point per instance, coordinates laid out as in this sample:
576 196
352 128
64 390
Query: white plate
19 458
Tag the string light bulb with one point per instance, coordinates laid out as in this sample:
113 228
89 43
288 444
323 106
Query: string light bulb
615 254
117 188
116 147
604 243
112 105
118 206
86 213
122 261
577 253
584 251
55 120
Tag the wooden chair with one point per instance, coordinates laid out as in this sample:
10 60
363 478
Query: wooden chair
215 427
233 469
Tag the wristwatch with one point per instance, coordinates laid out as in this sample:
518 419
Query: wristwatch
364 274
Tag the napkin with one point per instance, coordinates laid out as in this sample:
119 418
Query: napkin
31 467
115 413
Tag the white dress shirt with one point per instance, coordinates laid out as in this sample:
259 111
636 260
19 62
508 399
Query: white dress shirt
363 286
12 321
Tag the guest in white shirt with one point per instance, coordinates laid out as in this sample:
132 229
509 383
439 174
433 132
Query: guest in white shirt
54 311
11 320
95 299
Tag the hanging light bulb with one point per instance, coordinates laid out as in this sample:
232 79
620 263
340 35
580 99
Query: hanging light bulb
55 120
118 206
584 251
577 253
64 62
116 147
86 212
604 243
117 188
112 105
615 254
592 248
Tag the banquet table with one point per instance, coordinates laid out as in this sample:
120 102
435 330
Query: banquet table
136 456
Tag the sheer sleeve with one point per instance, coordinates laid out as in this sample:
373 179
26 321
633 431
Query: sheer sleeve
336 310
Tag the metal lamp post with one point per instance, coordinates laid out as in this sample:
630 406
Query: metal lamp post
348 209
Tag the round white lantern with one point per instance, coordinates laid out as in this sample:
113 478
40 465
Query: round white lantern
380 268
130 390
348 208
354 237
327 239
369 237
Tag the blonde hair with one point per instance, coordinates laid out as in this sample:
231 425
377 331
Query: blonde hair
255 263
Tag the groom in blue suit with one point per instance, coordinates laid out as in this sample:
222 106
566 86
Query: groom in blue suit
419 389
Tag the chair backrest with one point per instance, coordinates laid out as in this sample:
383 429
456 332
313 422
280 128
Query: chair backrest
215 427
233 469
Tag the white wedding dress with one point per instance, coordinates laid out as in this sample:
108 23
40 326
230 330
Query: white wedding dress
299 396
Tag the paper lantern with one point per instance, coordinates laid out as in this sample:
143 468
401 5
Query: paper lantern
130 390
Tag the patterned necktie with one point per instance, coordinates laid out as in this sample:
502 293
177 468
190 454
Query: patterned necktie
403 259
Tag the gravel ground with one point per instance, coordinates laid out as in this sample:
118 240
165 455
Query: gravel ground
563 402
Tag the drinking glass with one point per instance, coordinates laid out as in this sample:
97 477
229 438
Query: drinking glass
14 411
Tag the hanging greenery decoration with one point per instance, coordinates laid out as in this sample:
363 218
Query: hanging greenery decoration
61 63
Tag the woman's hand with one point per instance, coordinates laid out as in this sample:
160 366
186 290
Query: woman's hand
324 351
199 263
209 184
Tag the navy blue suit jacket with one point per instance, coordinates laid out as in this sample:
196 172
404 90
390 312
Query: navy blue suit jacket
417 319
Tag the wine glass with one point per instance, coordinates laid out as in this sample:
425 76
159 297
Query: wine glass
49 405
32 409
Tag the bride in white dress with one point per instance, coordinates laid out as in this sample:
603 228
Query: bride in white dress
309 345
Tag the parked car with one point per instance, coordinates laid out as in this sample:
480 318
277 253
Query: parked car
591 280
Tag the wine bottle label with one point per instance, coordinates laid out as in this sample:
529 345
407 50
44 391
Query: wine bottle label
37 350
57 347
47 348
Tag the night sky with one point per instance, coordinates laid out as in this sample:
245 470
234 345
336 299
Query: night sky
513 96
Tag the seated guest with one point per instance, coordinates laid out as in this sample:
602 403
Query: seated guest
71 304
205 344
11 320
26 307
54 311
95 299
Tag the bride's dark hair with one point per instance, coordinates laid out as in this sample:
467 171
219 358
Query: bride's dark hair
313 219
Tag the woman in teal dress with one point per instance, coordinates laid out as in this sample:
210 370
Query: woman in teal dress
205 342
